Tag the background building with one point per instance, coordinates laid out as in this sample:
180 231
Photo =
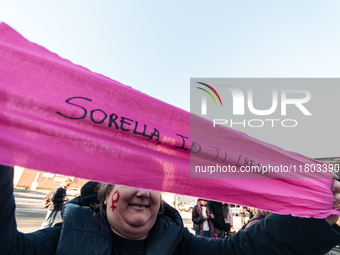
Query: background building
32 179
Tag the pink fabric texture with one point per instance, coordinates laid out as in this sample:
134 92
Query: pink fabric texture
59 117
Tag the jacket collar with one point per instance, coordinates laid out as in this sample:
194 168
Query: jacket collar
166 234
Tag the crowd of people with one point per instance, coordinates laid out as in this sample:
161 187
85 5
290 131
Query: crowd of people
117 219
214 219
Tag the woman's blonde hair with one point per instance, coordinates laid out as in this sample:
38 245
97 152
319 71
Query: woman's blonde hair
102 190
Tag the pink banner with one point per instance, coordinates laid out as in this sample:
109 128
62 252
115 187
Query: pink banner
59 117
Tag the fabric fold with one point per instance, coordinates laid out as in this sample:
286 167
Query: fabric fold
59 117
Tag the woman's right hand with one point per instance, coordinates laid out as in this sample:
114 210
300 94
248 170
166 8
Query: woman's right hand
332 219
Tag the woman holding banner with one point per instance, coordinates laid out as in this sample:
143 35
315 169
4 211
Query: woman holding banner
133 221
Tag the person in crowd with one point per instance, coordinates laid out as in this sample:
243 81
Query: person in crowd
89 188
202 217
242 215
258 215
251 212
218 220
228 218
135 221
57 198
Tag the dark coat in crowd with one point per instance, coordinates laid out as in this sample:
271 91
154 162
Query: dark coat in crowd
216 208
57 198
197 219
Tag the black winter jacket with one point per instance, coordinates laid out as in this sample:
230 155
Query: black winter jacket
85 232
216 209
197 219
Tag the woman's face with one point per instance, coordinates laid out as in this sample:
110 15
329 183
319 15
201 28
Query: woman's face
132 212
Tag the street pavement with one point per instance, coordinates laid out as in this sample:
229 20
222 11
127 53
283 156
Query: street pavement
30 212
